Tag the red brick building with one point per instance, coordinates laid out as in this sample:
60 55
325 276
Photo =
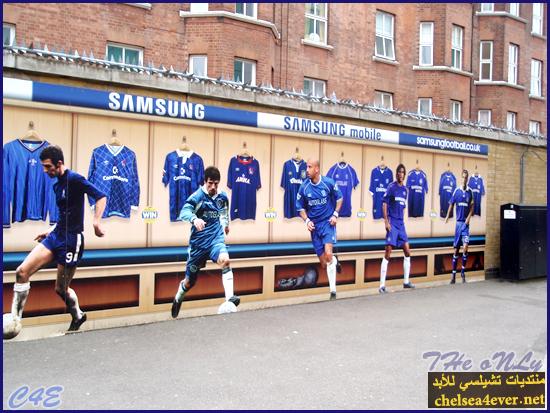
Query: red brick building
470 62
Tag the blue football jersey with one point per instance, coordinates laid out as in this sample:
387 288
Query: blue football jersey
346 178
213 211
243 178
294 174
69 197
380 179
184 174
475 183
27 190
417 184
462 199
447 185
395 198
113 170
318 200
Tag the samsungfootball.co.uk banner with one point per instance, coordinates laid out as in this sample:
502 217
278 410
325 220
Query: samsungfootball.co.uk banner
121 102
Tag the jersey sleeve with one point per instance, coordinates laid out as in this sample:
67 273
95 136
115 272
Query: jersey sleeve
134 202
201 171
92 171
300 199
188 211
425 183
331 171
283 177
50 206
165 177
408 183
259 185
441 179
7 188
90 189
371 186
230 174
354 178
336 191
387 195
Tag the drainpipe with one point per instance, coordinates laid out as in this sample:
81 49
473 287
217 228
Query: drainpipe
521 175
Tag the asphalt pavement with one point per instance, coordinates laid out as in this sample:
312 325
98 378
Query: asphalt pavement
357 353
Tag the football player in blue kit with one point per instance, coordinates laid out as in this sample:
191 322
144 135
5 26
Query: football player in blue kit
464 200
64 243
319 201
208 212
393 206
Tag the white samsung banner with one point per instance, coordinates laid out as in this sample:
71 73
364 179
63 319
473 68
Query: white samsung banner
326 128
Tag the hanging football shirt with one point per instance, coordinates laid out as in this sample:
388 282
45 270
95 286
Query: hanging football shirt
184 173
243 178
113 170
417 184
447 185
475 183
294 174
380 179
27 191
346 178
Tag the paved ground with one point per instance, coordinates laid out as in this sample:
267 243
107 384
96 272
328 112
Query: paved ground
355 353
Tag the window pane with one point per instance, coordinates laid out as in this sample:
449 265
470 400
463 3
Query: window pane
321 27
249 9
485 50
307 86
198 65
114 54
389 48
426 55
321 9
239 8
388 25
486 71
247 73
379 46
310 8
238 71
310 28
6 35
379 24
131 57
426 33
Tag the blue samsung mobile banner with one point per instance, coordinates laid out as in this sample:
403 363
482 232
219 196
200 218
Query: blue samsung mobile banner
146 105
430 142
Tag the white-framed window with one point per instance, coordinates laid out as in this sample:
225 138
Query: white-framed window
244 71
513 53
199 7
536 77
514 9
485 60
537 18
426 57
456 47
383 99
456 110
534 127
8 34
487 7
384 46
425 106
316 87
198 65
124 54
511 120
316 22
247 9
484 117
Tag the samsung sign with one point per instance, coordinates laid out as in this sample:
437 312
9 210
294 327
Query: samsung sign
177 109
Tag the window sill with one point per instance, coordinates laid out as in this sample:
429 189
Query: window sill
233 16
385 60
146 6
537 35
542 98
316 44
444 69
501 14
497 83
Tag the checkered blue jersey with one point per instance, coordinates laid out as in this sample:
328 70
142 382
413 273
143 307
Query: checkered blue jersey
69 197
447 185
212 210
318 200
184 174
417 184
27 191
396 200
294 174
380 179
462 199
346 178
475 183
243 178
113 170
